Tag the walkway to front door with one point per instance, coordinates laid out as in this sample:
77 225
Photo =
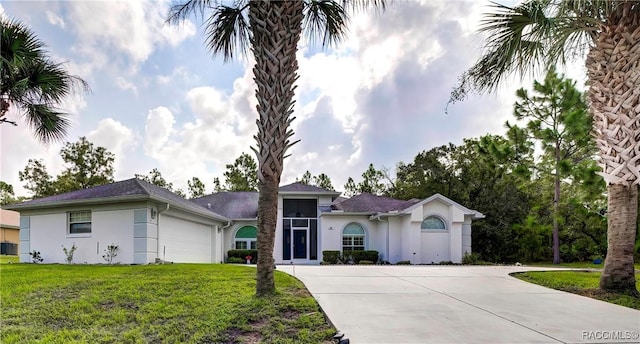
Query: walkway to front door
459 304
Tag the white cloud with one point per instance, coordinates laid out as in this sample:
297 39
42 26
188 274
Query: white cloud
126 85
119 140
131 28
55 19
158 127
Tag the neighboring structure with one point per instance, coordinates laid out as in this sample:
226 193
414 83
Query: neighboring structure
9 231
149 222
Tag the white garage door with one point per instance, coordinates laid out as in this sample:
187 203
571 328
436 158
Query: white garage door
435 247
182 241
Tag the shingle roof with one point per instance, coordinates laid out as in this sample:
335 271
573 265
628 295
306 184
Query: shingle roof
234 205
130 189
300 187
369 203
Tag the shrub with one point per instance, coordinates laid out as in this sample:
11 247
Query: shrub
235 260
331 257
446 262
109 253
365 262
243 254
357 256
36 257
404 262
69 252
470 258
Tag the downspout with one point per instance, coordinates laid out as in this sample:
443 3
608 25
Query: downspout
158 228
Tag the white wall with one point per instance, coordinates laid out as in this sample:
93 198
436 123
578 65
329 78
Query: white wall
48 233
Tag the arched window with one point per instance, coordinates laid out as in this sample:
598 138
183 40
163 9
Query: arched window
353 237
433 223
246 238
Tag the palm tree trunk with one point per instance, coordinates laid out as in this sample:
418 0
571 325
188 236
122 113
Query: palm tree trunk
276 27
612 66
618 274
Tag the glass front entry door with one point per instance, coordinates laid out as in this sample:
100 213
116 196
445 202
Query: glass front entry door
299 244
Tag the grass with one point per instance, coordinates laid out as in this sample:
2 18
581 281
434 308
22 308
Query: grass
574 265
180 303
9 259
583 283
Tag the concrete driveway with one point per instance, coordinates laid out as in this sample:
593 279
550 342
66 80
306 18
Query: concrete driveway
459 304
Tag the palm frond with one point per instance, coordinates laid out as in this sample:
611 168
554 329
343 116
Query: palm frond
48 124
181 11
326 19
530 37
32 83
363 5
228 31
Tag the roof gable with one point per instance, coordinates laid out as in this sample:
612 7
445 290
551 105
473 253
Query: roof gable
447 201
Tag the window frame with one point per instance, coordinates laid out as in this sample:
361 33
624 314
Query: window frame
434 230
351 239
249 243
81 220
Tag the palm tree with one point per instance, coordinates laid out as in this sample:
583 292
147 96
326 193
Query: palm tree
537 34
272 30
32 83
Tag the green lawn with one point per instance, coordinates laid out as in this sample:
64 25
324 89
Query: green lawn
583 283
9 259
180 303
575 265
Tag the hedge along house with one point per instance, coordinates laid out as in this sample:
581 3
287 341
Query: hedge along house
149 222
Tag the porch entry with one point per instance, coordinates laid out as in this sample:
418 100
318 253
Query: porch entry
300 229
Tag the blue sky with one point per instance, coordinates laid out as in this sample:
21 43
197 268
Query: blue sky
160 100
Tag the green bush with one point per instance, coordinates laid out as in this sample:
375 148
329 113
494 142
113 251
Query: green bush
470 258
331 257
242 254
404 262
357 256
235 260
365 262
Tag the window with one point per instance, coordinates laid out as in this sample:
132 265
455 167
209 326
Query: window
353 237
433 223
80 222
246 238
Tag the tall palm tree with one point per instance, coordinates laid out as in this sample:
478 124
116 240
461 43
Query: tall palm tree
32 83
537 34
272 30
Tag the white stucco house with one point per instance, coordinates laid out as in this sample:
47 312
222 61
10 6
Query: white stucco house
149 222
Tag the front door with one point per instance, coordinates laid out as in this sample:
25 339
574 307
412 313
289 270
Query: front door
299 244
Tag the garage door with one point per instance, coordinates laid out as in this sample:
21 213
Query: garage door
435 247
183 241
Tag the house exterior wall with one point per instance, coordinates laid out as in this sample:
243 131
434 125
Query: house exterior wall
333 225
139 229
48 233
395 239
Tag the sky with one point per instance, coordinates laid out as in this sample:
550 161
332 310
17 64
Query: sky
160 99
